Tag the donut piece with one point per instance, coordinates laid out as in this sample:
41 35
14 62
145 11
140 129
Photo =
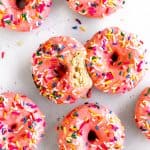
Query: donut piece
142 112
95 8
59 70
23 15
90 127
21 122
115 60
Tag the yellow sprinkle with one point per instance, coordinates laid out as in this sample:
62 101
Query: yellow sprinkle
65 130
16 97
108 82
73 128
94 113
4 114
17 144
82 28
19 43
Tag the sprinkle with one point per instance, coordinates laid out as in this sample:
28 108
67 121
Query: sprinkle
82 28
2 54
74 27
78 21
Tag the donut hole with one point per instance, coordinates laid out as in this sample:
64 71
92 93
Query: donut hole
114 57
13 126
21 4
60 70
92 136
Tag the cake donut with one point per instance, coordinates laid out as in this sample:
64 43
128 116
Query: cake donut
95 8
115 60
59 70
21 122
23 15
91 127
142 112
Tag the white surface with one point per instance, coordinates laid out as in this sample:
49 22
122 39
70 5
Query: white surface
15 68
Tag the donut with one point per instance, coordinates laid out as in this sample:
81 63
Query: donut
23 15
21 122
142 112
115 60
90 127
95 8
59 71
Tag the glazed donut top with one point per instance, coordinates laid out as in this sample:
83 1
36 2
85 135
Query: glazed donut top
142 112
95 8
59 70
115 60
91 127
23 15
21 122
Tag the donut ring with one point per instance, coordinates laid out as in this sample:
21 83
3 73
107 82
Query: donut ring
95 8
21 122
115 60
142 112
90 127
23 15
59 71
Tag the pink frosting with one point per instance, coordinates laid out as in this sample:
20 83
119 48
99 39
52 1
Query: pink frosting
90 127
115 60
95 8
23 19
21 122
142 112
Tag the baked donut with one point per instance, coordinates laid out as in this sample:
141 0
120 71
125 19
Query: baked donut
21 122
90 127
59 71
23 15
115 60
142 112
95 8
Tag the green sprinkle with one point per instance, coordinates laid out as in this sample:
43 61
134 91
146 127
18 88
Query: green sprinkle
1 2
24 16
69 141
75 114
119 63
122 34
130 55
40 17
83 11
128 70
38 53
120 73
74 135
8 21
41 62
94 57
4 139
148 92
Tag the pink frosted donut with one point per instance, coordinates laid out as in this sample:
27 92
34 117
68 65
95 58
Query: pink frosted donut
23 15
59 71
142 112
21 122
95 8
115 60
91 127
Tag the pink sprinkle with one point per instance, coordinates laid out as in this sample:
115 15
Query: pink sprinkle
41 8
15 113
2 55
109 76
139 66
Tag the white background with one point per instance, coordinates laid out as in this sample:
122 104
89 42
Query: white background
15 68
